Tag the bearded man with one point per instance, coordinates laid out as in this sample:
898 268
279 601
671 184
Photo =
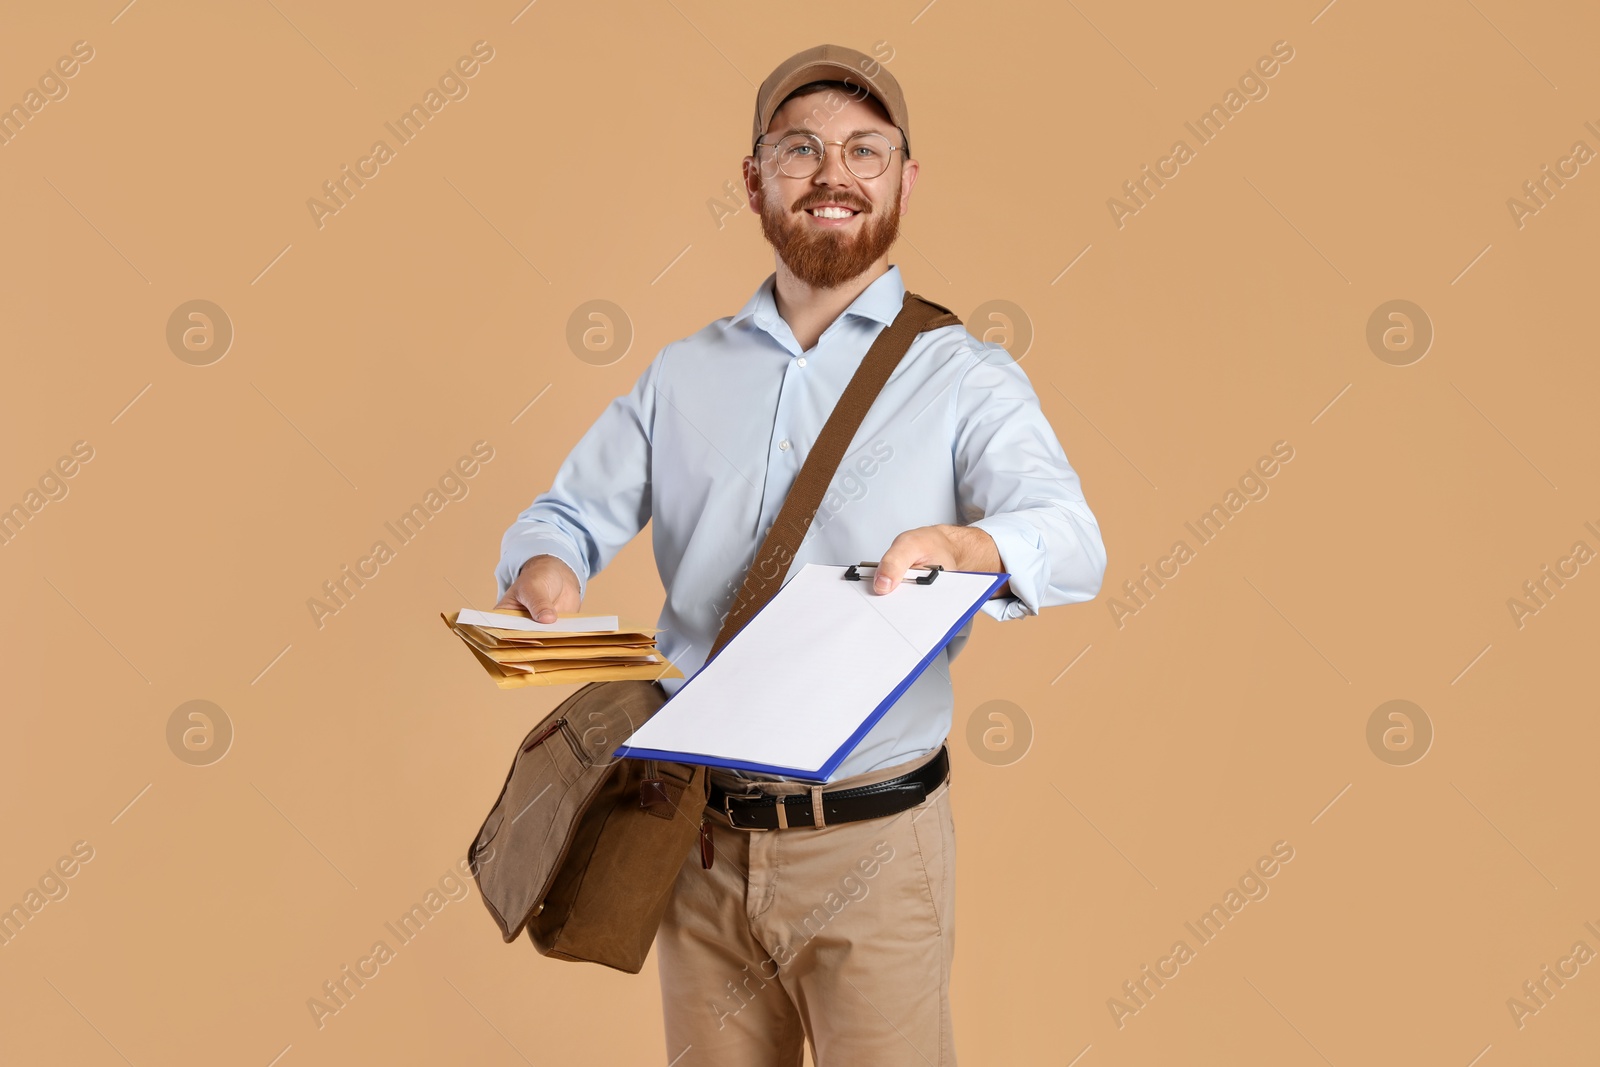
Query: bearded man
839 930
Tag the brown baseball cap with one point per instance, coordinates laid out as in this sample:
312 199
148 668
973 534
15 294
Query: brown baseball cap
831 62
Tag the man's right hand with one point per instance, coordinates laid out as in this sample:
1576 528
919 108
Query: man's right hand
544 586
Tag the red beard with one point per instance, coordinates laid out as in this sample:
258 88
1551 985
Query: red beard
826 259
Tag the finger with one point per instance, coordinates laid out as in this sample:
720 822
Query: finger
540 608
534 601
892 566
550 599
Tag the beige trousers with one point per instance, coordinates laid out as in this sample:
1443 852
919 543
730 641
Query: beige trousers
841 935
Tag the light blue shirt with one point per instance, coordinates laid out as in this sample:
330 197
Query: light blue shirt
706 444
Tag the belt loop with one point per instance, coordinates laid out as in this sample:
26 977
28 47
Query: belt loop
817 818
783 814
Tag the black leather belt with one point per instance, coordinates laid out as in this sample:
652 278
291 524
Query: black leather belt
762 811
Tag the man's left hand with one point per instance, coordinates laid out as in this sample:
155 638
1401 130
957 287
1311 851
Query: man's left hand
955 548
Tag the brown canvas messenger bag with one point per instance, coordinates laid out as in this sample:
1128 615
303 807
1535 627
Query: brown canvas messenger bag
582 848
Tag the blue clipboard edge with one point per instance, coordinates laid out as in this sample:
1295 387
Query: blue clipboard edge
832 763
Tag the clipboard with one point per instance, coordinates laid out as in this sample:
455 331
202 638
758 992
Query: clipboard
809 675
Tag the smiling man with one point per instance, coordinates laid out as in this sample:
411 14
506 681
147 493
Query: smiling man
838 928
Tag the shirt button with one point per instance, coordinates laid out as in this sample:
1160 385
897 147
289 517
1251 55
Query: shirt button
783 446
801 362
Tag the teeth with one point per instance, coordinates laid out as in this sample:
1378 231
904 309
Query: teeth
832 212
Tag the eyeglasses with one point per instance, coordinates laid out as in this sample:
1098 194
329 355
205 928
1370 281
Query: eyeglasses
799 155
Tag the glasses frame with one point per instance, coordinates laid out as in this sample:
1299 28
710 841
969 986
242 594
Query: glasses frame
823 156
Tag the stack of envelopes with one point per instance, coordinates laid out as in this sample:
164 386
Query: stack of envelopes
573 650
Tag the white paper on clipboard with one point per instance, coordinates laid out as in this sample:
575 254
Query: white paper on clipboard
805 679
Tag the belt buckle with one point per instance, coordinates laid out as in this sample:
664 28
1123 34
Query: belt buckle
727 809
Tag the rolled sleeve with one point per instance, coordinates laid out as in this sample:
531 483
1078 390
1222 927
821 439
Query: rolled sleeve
1022 555
1013 478
600 497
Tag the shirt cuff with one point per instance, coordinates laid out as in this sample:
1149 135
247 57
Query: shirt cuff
523 546
1022 555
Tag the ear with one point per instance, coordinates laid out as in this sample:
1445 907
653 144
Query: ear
908 179
752 183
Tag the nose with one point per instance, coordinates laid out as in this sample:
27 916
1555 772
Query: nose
832 170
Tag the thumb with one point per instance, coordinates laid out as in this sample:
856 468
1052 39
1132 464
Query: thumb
532 598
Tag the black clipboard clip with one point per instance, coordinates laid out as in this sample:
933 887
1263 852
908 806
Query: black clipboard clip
851 574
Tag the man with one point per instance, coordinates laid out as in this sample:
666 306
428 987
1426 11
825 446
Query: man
840 933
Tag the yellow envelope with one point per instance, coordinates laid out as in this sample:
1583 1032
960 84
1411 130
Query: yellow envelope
484 638
546 666
547 655
512 678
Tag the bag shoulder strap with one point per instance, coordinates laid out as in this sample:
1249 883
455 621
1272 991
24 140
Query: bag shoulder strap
778 549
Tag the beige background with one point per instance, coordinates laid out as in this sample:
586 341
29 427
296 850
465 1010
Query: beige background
1228 314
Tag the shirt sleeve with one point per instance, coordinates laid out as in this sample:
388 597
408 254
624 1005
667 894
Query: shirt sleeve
600 497
1013 477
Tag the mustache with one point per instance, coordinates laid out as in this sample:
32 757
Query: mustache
805 203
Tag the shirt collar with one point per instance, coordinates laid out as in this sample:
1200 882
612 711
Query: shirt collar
881 301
